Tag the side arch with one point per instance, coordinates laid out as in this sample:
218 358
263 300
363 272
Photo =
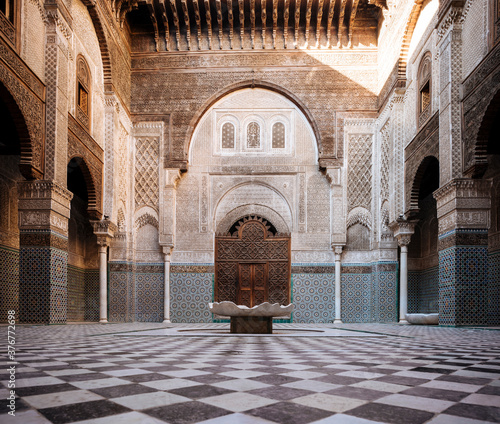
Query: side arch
90 182
251 84
427 163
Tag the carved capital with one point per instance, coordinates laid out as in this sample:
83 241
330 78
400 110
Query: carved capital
337 248
104 230
402 230
464 203
334 175
172 177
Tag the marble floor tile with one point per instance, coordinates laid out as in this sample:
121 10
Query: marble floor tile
238 401
329 402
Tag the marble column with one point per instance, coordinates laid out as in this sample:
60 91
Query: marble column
104 230
403 231
103 282
166 295
338 299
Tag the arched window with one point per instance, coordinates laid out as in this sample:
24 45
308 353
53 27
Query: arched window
424 88
7 8
253 135
83 95
278 135
227 136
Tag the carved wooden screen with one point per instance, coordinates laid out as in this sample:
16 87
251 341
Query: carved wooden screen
252 264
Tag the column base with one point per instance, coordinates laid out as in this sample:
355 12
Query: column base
337 321
167 321
403 322
103 321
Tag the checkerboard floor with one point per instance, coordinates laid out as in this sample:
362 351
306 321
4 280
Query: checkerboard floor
118 374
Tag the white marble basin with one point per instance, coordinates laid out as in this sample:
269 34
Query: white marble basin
423 319
265 309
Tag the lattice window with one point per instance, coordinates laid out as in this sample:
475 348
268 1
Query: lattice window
359 177
253 135
83 99
228 136
146 172
424 88
278 135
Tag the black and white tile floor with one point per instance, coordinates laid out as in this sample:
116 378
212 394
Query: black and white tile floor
353 374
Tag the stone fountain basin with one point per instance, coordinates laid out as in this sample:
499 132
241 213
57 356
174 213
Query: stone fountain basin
423 319
265 309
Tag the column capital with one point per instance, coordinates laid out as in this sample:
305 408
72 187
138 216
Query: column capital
402 230
337 248
172 177
463 203
167 250
104 230
334 175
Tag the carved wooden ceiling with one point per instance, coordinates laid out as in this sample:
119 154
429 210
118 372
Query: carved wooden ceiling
181 25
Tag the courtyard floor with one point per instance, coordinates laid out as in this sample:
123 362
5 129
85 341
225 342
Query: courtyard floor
199 373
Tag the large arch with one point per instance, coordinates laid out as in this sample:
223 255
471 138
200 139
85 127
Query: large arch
250 84
423 169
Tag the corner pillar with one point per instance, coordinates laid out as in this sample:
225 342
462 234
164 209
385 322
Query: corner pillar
403 231
463 210
44 209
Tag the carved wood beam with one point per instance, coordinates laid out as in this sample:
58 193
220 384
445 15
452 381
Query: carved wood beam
297 22
241 4
263 18
286 16
341 26
275 21
208 17
176 23
164 17
218 5
319 18
197 18
354 10
331 11
231 21
186 21
308 20
252 22
118 8
152 16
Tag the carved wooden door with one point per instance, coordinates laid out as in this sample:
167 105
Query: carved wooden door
252 284
252 264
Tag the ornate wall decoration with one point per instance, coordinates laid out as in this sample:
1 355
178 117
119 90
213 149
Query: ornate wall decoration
359 176
147 172
385 165
251 242
318 204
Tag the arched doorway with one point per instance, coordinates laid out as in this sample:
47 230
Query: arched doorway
252 263
12 124
423 259
83 273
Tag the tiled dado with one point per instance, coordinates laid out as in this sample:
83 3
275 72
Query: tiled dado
313 296
83 294
494 288
423 291
191 290
9 283
463 270
369 292
149 292
121 292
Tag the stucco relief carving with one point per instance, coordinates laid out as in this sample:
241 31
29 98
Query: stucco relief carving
147 171
312 257
359 177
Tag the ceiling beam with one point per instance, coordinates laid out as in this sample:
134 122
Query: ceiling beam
354 10
275 21
241 4
319 18
297 22
176 23
308 20
197 18
263 19
341 26
218 5
286 16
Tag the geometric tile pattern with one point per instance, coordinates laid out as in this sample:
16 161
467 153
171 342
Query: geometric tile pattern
384 292
91 295
76 294
190 294
463 286
494 288
149 291
9 281
43 285
313 298
423 291
121 292
356 296
375 374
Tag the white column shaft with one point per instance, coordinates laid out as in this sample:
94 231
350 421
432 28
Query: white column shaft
403 294
338 312
103 285
166 297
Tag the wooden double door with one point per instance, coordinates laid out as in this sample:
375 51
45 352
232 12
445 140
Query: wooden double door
252 283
